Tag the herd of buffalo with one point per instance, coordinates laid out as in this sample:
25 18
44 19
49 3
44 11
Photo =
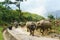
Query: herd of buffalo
43 25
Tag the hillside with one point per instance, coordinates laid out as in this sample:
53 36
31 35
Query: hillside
34 17
7 16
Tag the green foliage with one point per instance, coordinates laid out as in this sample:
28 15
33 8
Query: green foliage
1 36
51 16
7 16
32 17
53 21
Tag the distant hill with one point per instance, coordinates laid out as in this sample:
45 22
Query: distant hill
55 13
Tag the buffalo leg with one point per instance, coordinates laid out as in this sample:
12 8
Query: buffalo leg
32 33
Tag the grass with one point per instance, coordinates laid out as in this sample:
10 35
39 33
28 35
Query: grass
58 29
1 36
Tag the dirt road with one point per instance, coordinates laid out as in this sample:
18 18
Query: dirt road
24 35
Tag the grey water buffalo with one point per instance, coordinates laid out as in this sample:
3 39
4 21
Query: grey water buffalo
44 25
16 24
22 24
31 26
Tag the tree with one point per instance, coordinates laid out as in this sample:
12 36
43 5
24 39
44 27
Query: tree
6 3
51 17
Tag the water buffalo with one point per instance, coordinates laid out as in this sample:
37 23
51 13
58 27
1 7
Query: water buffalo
22 24
16 24
31 27
44 25
10 27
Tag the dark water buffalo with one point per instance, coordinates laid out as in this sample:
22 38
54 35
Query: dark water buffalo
31 27
44 25
10 27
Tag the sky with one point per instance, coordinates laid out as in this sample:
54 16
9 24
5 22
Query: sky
40 7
